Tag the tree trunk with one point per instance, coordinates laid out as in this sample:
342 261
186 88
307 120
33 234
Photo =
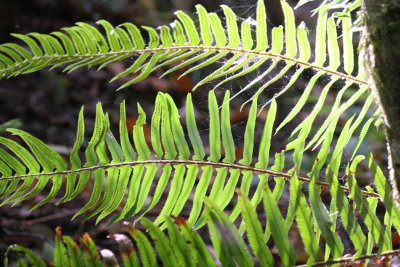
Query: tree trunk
382 54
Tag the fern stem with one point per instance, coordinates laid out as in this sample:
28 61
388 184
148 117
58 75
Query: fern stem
361 258
195 48
240 167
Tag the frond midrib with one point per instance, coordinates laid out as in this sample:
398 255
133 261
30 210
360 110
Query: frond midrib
234 166
350 260
305 64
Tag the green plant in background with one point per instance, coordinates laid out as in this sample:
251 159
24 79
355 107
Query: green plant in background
123 172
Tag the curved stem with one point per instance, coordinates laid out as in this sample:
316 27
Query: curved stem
196 48
235 166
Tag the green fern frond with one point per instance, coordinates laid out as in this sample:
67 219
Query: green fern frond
198 45
117 168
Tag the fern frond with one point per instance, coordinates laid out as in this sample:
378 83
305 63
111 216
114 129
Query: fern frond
184 43
118 169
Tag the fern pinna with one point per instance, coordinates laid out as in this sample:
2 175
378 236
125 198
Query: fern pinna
125 174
